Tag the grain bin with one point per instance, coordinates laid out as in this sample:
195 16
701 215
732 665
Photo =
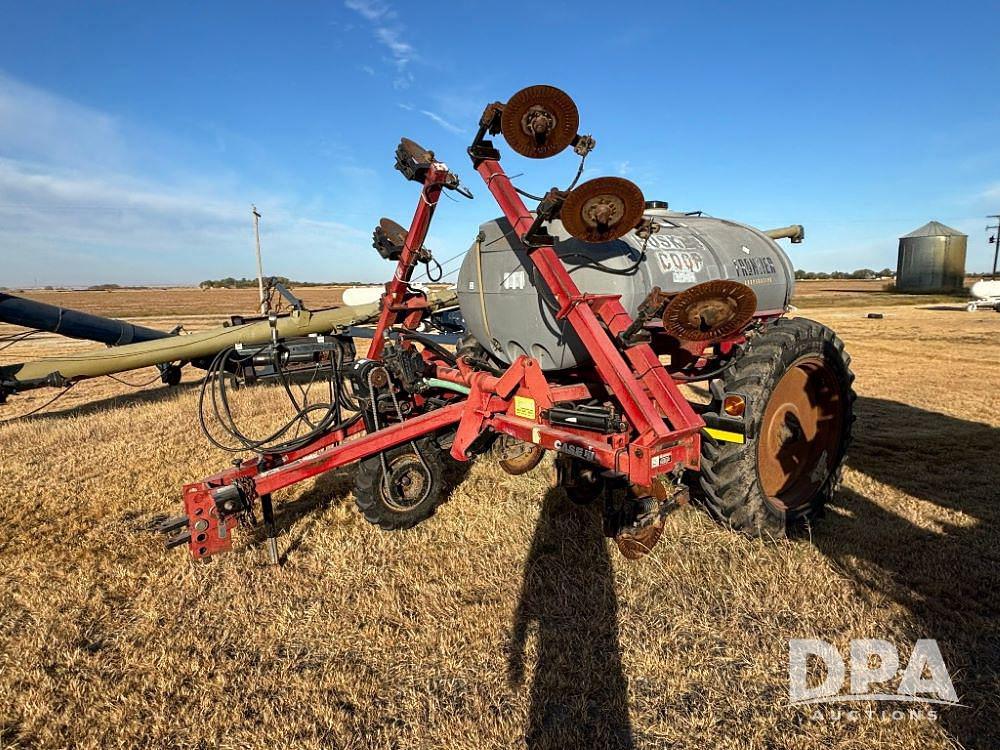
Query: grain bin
931 259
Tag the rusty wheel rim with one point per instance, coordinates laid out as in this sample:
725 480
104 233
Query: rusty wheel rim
800 434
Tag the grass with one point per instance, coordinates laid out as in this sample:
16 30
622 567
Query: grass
506 620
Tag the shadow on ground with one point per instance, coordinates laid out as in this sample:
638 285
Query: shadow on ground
329 488
568 608
333 486
948 577
56 411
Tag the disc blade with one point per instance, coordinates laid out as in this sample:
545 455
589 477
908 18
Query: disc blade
415 151
539 121
516 457
710 311
395 233
602 209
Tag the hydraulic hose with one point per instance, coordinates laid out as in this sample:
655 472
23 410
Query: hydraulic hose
447 385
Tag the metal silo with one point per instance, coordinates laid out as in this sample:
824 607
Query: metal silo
931 259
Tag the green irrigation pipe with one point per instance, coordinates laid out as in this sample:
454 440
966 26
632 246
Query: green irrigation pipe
448 385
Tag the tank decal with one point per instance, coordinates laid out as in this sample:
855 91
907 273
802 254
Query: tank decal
514 280
754 266
679 261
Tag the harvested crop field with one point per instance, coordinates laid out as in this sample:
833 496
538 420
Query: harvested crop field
506 620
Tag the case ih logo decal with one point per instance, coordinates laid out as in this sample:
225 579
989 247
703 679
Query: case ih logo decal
576 451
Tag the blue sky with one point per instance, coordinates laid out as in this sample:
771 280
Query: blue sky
135 136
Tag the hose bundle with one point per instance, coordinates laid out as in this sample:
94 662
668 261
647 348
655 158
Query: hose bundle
317 418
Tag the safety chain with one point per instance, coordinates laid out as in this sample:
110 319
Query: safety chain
248 493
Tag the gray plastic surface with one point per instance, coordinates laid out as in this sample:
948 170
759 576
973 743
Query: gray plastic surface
510 311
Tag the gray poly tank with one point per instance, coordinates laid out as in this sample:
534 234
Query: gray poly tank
510 311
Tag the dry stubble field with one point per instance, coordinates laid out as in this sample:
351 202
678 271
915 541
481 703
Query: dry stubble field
505 620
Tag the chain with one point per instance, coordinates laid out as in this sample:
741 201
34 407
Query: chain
399 415
248 492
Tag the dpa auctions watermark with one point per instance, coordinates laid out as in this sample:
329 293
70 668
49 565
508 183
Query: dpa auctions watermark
871 673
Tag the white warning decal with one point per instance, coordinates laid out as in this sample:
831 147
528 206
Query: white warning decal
514 280
679 261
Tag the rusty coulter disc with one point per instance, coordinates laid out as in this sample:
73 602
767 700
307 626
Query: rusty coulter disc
602 209
710 311
639 543
539 121
516 457
416 151
639 537
395 233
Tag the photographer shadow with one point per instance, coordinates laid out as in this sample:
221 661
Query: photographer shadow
579 694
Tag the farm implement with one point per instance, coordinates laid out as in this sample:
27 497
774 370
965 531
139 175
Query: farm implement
586 316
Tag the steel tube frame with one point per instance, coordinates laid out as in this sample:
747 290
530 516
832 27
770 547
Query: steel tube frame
666 428
396 289
637 393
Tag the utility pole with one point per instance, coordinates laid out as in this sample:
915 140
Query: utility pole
996 242
260 264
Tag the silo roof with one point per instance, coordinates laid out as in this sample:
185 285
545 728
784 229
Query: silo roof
935 229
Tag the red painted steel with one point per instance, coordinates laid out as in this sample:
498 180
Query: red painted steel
359 448
577 308
397 289
665 430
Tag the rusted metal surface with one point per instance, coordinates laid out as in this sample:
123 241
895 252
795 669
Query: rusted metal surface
603 209
636 537
800 433
539 121
415 150
406 482
710 311
516 457
393 231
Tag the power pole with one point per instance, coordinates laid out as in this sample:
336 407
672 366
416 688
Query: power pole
996 242
260 264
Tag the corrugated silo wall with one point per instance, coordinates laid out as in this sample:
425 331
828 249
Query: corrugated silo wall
931 264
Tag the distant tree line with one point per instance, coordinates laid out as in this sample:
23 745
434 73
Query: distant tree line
243 283
861 273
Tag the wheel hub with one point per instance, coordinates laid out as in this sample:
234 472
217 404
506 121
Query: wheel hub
800 433
406 483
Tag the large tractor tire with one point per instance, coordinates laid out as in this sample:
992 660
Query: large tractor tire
797 382
401 487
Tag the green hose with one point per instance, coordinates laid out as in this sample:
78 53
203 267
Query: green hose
447 385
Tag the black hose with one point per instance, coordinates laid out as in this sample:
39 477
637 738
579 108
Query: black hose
481 364
694 378
431 344
330 419
588 261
